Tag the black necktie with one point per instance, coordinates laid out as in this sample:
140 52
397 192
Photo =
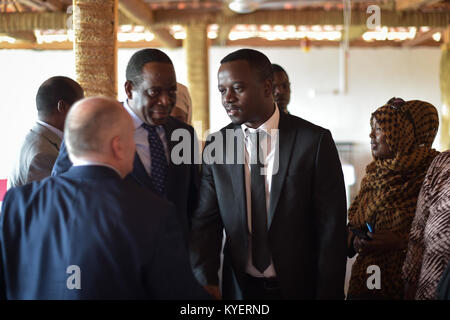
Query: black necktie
260 239
159 166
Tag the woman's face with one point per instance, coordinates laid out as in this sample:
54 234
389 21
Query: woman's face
378 144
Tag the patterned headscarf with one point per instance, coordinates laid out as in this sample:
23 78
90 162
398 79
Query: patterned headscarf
388 195
426 119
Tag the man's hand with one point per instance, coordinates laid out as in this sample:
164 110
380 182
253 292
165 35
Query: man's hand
383 241
214 291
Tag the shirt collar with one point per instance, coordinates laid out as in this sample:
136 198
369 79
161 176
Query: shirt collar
82 162
136 120
268 126
56 131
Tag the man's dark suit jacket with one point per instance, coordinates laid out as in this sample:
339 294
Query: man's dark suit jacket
125 240
307 217
182 179
443 290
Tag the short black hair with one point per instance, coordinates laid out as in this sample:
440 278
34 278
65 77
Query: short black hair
278 68
256 60
139 59
54 89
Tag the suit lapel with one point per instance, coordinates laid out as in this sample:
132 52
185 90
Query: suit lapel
283 154
169 127
140 174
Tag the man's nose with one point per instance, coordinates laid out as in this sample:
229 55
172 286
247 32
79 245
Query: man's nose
165 99
229 96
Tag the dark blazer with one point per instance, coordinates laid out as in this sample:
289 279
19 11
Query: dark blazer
182 180
443 290
125 240
307 217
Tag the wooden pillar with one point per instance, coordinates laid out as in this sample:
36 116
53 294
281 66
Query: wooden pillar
95 46
444 76
196 46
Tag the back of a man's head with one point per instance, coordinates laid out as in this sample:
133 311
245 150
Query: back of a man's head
54 90
141 58
258 62
99 129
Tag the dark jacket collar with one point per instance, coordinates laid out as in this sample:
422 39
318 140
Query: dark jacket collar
91 172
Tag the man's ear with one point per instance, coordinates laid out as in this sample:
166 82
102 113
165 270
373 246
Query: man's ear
62 106
268 87
116 147
128 89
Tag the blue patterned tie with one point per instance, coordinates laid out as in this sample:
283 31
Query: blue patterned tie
159 165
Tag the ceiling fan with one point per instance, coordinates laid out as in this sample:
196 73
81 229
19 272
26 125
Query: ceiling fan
249 6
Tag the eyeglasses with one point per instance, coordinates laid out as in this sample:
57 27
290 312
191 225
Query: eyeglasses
397 104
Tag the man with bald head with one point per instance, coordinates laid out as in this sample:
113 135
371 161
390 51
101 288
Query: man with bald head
41 146
151 89
91 233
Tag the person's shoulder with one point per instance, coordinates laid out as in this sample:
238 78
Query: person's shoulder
141 194
442 159
37 144
230 126
291 121
439 167
178 124
25 194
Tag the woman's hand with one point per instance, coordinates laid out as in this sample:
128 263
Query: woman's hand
383 241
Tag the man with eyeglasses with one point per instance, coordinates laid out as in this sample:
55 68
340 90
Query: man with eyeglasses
151 88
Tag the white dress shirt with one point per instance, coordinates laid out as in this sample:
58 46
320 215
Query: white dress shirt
268 142
56 131
141 140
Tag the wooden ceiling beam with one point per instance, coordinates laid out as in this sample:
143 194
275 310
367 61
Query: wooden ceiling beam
222 37
256 42
18 6
137 11
413 4
140 13
53 5
23 36
33 5
29 21
163 35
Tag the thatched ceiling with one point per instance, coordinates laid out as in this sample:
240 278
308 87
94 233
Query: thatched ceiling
25 21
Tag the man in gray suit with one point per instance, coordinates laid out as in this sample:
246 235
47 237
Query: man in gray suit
41 146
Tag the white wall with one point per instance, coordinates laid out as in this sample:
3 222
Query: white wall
375 75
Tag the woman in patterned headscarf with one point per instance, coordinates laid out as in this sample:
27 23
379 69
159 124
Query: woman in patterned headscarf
380 216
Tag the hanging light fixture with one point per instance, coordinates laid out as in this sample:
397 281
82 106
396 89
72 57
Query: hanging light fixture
243 6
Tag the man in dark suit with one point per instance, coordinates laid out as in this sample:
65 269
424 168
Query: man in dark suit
41 146
282 203
89 233
151 88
